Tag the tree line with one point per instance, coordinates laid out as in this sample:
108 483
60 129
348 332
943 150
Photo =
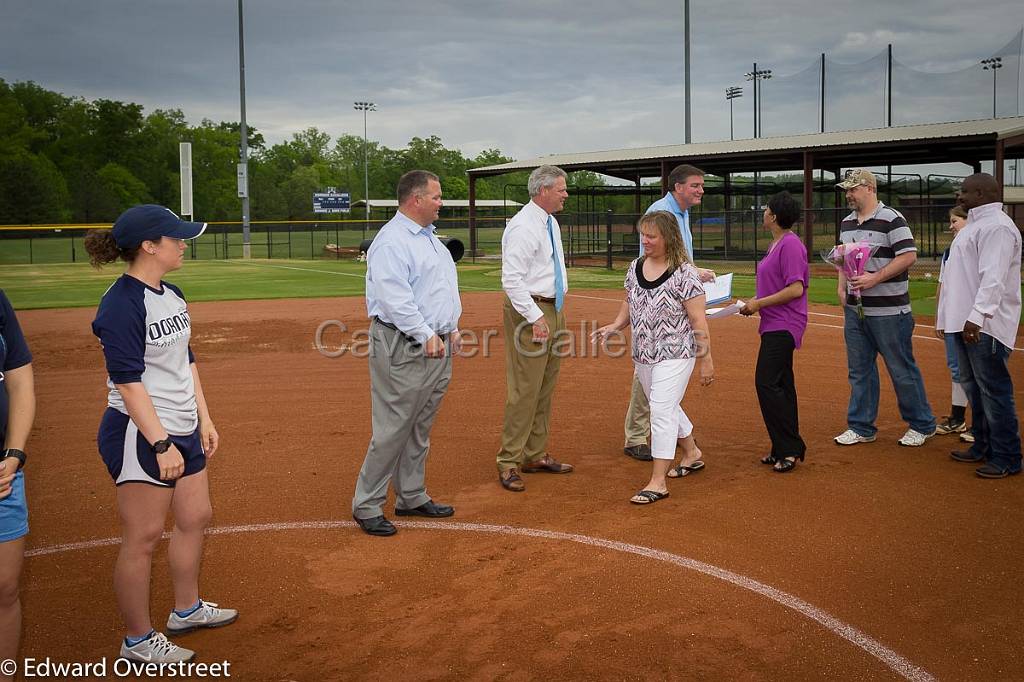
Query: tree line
66 159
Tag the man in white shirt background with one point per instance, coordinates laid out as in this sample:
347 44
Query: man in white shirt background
534 279
981 307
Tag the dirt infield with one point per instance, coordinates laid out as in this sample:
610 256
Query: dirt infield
904 547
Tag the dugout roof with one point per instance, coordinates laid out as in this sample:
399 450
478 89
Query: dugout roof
968 142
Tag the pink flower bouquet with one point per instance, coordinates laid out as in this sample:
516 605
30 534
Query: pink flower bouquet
851 260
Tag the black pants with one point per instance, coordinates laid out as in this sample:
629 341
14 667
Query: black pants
776 393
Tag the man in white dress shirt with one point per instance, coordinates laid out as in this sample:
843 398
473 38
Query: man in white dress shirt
534 279
980 306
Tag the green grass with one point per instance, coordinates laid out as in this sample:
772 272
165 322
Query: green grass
62 285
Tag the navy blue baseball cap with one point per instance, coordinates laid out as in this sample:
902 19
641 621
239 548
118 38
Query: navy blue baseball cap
150 222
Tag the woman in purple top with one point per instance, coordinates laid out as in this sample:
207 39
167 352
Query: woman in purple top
782 280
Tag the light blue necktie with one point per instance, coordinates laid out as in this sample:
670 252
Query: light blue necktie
559 282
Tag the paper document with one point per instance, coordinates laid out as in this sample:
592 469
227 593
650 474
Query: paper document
715 313
718 291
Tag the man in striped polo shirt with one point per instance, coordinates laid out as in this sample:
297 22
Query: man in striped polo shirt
887 325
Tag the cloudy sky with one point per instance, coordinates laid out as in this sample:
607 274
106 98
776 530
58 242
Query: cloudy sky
523 76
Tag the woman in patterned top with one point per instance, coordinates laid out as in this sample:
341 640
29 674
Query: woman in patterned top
665 306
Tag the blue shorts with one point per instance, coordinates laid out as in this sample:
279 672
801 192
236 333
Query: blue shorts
129 457
14 511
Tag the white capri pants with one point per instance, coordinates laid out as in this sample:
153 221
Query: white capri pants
664 385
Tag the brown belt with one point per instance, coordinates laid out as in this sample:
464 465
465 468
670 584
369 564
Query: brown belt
542 299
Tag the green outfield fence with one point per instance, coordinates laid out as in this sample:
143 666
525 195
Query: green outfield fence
589 239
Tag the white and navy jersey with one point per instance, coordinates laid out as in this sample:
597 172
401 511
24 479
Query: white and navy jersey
886 229
145 336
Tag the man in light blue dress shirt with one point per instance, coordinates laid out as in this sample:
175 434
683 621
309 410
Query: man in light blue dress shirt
412 297
686 188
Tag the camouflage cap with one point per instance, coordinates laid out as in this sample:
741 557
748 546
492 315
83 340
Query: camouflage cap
856 177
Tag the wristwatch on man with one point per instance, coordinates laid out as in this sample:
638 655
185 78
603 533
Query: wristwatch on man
16 453
162 446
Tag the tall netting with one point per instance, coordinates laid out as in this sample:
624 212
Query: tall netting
790 104
855 94
969 93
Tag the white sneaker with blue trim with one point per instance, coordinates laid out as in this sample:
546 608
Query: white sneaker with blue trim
156 649
206 616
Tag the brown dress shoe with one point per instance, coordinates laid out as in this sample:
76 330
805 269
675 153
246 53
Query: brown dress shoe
510 480
546 464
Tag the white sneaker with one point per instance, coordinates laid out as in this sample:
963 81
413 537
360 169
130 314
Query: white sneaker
206 616
851 437
913 439
156 649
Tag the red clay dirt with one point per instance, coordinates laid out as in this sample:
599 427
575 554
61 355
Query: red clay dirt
902 544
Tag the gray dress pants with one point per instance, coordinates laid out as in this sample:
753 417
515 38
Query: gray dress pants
406 389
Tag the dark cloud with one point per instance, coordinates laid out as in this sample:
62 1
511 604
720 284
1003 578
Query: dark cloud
527 77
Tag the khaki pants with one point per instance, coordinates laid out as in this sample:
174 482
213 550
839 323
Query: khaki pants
638 416
531 370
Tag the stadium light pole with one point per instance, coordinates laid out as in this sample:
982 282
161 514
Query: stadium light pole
732 93
243 165
686 79
992 64
365 107
755 76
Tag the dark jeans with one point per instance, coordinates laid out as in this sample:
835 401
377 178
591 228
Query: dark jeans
776 393
985 376
890 337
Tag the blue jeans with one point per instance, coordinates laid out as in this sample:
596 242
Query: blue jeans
952 357
985 376
888 335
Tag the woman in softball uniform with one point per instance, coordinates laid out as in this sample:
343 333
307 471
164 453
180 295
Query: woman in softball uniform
156 433
17 410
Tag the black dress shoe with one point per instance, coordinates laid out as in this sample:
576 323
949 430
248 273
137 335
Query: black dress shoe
377 525
641 452
992 470
966 456
429 509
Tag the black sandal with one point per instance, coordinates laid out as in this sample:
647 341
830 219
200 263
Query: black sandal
768 459
786 464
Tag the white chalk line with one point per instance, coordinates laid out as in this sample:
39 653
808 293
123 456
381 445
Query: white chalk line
851 634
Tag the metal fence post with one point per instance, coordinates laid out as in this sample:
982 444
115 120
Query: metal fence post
608 245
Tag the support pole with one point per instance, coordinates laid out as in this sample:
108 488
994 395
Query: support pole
809 204
727 203
686 44
888 118
472 217
998 165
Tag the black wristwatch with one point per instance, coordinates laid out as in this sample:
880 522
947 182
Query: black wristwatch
17 454
162 446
